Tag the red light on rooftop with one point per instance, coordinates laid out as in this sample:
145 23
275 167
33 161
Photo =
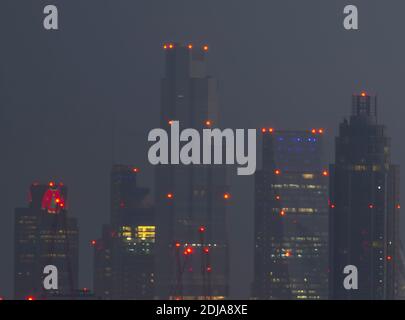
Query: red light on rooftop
370 206
389 258
190 46
325 173
169 196
332 206
313 131
264 130
271 130
135 170
206 250
51 184
208 123
93 242
205 48
209 269
282 213
170 122
227 196
30 298
201 229
177 245
363 94
278 197
321 131
277 172
188 251
398 206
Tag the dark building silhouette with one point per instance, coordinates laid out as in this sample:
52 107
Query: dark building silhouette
364 206
191 200
291 217
124 256
44 235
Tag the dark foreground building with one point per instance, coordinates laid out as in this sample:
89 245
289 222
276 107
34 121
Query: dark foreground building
192 259
124 256
364 206
44 234
291 217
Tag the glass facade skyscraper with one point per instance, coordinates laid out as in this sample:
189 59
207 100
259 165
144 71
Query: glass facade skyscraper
291 217
364 206
191 200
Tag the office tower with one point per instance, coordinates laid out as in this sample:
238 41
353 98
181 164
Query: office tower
44 234
191 200
364 206
124 256
291 217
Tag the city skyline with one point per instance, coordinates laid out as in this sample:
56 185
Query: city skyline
58 103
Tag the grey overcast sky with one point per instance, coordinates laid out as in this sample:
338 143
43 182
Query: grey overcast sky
285 63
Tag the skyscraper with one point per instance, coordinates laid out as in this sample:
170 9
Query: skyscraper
291 217
191 200
364 206
124 257
45 235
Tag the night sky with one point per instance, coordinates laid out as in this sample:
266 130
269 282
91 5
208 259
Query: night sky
283 63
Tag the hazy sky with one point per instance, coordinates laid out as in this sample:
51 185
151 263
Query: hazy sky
282 63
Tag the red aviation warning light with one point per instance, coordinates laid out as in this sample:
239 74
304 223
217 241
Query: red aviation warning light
227 196
389 258
209 269
93 242
206 250
188 251
205 48
371 206
135 170
278 197
325 173
282 213
321 131
30 298
201 229
264 130
363 94
190 46
208 123
277 172
177 245
170 196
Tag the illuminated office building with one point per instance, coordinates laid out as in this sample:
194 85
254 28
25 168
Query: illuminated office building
364 206
192 259
45 235
124 256
291 217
